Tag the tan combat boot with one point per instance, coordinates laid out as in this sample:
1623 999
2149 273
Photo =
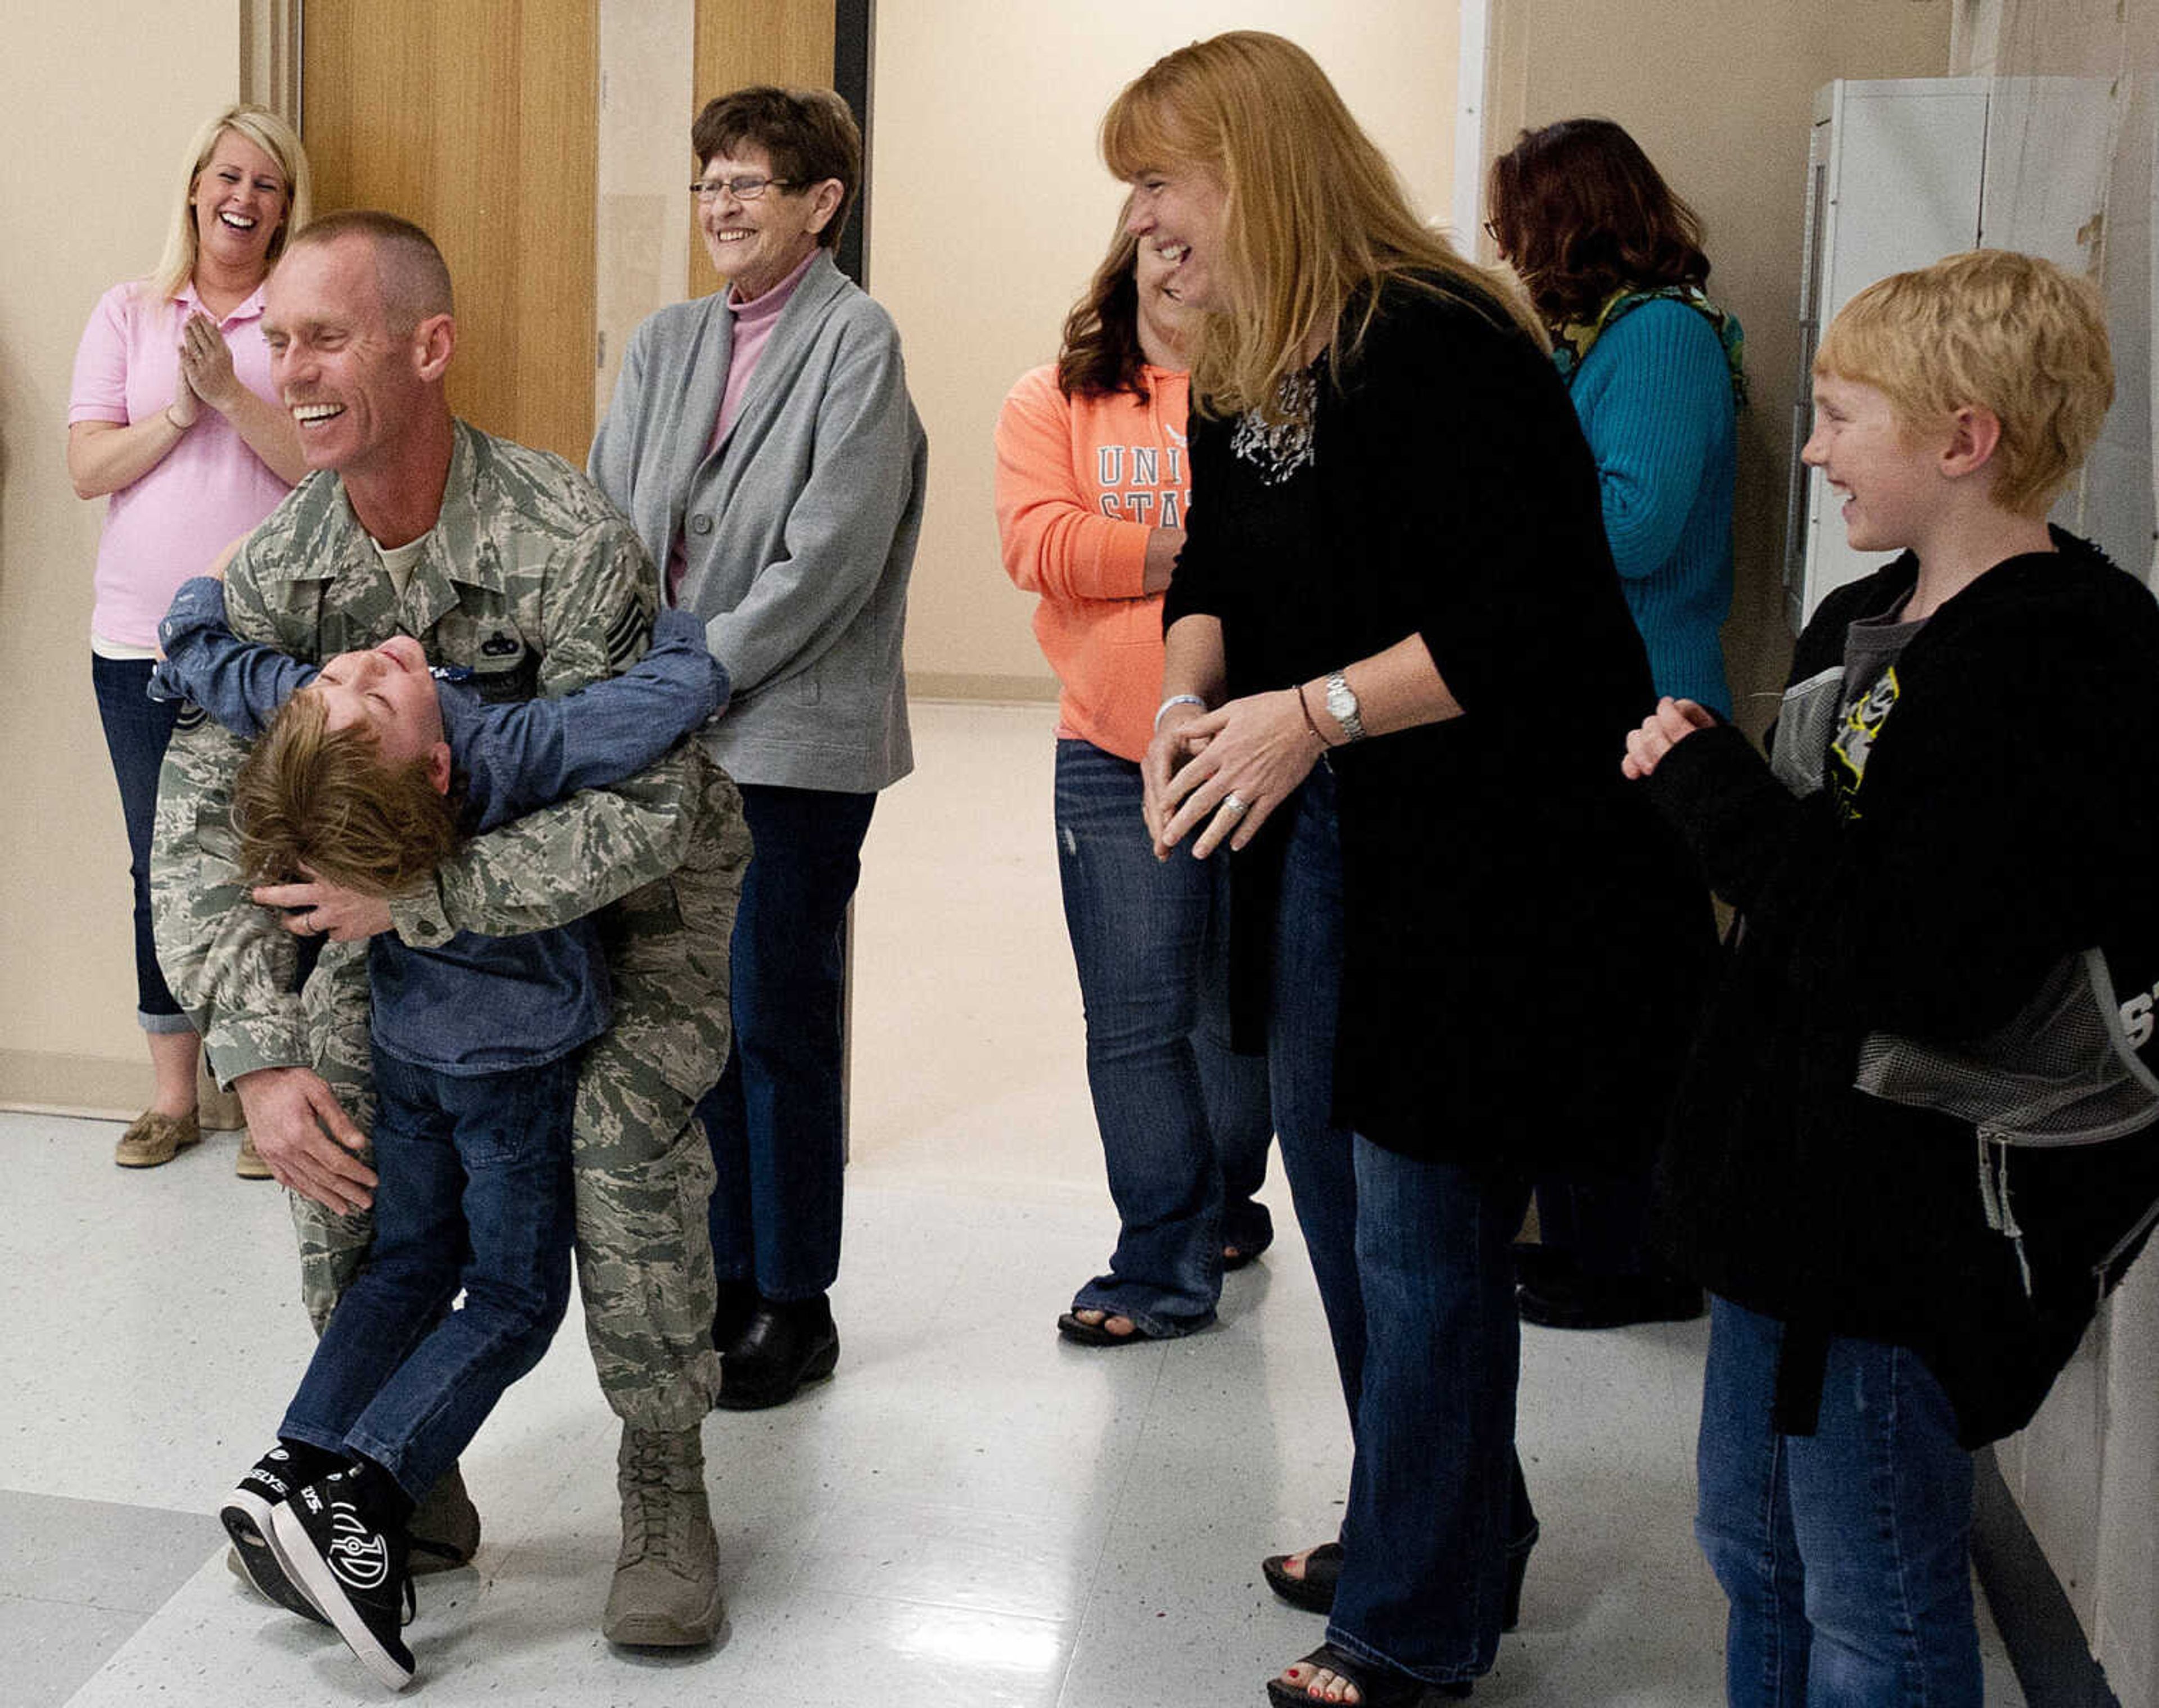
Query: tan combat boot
444 1528
666 1589
249 1164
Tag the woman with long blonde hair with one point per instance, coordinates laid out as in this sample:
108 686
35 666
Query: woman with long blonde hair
173 417
1398 669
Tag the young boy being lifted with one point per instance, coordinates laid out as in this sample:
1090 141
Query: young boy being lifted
367 773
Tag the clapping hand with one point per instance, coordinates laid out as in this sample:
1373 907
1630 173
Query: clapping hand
206 362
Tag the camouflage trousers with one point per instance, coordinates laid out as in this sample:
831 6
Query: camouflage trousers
642 1166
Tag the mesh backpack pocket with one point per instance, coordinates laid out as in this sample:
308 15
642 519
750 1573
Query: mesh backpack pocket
1806 719
2067 1070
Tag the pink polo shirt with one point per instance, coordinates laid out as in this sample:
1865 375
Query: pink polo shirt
209 490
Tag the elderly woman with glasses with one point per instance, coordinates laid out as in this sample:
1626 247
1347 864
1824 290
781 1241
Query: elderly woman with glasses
763 441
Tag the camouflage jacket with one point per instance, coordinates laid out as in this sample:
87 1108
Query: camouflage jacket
529 577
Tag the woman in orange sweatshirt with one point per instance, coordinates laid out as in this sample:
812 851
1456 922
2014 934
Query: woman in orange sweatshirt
1092 483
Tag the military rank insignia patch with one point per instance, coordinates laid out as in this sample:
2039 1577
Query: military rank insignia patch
626 637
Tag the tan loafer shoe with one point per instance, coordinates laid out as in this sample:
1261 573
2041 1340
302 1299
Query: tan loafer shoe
249 1164
152 1138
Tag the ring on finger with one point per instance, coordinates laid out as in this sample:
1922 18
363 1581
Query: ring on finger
1235 803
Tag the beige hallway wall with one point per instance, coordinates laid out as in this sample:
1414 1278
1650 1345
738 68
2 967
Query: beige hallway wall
103 96
1719 92
992 208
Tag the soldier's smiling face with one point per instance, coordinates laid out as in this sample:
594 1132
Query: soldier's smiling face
353 381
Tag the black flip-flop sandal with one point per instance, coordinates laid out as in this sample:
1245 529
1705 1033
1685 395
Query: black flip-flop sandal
1314 1591
1082 1333
1376 1686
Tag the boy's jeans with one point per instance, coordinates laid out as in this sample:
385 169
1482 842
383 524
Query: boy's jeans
1845 1554
475 1195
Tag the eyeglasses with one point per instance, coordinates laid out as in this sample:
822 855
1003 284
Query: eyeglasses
743 189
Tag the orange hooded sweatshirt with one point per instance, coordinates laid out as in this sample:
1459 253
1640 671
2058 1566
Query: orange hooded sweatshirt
1081 483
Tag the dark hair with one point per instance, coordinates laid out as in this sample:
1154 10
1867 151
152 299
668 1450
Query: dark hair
1101 353
1581 212
309 795
808 134
414 278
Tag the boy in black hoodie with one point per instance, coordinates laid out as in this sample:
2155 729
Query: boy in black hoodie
1915 1145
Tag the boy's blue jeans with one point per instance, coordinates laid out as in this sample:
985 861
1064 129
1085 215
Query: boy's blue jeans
474 1194
1184 1122
1845 1554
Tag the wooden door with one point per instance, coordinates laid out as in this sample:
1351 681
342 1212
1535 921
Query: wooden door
478 122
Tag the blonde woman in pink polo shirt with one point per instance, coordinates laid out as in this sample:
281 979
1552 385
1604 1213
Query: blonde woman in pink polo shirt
173 419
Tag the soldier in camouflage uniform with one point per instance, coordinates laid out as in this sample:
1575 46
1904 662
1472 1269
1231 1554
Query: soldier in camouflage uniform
520 571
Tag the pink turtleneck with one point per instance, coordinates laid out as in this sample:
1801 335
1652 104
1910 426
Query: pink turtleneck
754 321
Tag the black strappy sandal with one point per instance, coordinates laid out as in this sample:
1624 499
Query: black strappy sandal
1376 1686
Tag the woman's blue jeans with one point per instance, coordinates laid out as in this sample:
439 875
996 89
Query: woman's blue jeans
1416 1275
475 1197
1184 1121
1845 1554
137 730
775 1121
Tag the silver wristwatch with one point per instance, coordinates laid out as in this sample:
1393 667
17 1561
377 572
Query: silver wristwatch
1342 706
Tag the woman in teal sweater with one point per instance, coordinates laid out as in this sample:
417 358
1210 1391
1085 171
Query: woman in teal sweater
1614 263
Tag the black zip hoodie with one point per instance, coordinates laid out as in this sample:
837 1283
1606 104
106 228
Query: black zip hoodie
2008 816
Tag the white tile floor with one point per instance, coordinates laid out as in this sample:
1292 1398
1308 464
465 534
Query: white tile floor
970 1513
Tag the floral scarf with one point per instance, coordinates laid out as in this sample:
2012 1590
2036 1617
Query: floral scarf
1570 343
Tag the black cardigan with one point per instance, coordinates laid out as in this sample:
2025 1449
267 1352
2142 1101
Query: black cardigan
2008 816
1525 940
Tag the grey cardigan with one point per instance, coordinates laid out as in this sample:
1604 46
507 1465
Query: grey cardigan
800 528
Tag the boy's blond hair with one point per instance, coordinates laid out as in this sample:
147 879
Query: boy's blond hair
2006 333
309 795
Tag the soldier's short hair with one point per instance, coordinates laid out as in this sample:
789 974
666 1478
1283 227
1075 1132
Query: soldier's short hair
308 796
409 269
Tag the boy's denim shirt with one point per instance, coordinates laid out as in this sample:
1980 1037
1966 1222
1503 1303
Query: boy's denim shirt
477 1004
